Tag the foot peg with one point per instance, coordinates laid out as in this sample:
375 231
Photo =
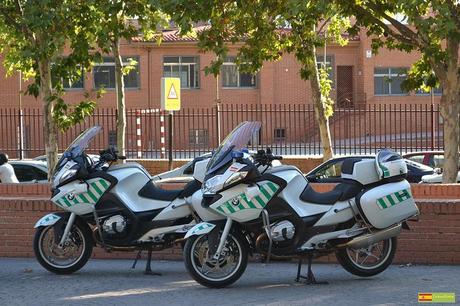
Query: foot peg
310 277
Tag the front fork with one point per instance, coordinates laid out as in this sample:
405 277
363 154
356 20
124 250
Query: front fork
69 225
223 238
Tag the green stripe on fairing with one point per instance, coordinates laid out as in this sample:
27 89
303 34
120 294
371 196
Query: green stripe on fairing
265 193
273 187
83 198
260 201
96 188
66 202
92 196
104 184
250 204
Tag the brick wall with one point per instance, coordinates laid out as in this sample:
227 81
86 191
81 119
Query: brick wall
435 239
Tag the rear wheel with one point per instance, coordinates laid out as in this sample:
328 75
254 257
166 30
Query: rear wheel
368 261
66 259
216 273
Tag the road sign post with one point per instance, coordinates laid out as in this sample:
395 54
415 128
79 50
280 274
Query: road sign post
170 101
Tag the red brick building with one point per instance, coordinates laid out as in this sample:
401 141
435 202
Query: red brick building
359 78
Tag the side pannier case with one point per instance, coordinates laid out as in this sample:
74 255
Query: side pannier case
390 202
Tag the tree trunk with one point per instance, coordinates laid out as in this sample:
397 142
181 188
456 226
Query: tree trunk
50 130
450 110
121 106
318 105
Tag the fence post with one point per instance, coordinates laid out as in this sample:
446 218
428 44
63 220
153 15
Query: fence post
21 134
218 121
432 120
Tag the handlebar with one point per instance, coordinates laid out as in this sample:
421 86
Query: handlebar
263 157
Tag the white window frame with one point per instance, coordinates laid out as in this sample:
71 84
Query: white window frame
389 75
180 64
124 63
329 64
228 62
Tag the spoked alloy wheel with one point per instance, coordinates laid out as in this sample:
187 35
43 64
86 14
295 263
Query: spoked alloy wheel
216 273
368 261
67 259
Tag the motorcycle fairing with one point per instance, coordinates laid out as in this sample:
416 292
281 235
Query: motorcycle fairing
200 229
81 197
49 219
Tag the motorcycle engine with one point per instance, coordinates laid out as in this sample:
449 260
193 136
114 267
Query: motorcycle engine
282 231
114 225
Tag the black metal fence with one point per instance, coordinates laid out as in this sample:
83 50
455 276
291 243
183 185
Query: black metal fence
287 129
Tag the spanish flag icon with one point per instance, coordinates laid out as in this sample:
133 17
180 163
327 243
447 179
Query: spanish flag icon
425 297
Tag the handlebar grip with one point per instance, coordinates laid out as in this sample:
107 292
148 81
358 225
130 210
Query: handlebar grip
121 157
278 157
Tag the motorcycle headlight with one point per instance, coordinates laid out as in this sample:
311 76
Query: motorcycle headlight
66 173
235 177
212 185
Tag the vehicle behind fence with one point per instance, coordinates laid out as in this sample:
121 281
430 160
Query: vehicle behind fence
288 129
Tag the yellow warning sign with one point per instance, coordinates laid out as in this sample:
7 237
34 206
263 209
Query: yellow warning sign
170 94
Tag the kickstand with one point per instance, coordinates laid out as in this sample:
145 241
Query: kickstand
310 278
148 269
138 256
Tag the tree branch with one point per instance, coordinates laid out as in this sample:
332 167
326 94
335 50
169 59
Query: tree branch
403 29
322 26
455 11
385 26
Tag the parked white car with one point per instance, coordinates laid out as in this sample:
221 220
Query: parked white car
435 178
30 171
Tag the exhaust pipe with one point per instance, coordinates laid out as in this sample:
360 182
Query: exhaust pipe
369 239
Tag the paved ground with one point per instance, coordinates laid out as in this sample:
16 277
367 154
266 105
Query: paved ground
112 282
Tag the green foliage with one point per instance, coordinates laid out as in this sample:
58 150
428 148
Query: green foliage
38 32
325 88
434 31
116 20
264 31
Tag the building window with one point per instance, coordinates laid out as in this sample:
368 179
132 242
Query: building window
436 91
387 81
67 83
233 78
104 73
329 66
279 134
187 68
198 137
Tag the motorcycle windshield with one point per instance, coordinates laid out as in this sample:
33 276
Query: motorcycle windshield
79 145
236 140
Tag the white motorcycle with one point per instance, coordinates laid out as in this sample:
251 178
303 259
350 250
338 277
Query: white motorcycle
118 207
276 211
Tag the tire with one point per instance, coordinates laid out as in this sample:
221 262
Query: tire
238 242
351 266
79 234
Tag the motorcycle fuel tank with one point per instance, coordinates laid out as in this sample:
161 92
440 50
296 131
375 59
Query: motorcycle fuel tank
131 178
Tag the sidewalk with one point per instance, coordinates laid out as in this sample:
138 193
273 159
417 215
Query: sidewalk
112 282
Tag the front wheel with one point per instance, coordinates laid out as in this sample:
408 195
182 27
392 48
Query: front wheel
216 273
368 261
71 257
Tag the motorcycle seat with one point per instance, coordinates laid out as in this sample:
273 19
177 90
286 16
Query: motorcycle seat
341 192
153 192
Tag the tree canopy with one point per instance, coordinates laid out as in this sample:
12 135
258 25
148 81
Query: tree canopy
431 28
264 31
